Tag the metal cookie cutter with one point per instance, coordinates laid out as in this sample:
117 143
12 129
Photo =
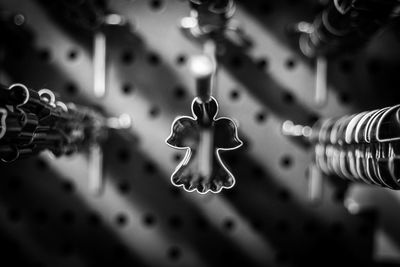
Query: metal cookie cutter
203 137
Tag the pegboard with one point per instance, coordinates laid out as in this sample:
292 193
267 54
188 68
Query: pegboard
48 217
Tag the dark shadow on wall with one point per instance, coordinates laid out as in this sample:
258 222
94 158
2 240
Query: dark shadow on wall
55 219
300 235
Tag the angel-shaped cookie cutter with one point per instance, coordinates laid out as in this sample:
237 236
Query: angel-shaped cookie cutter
202 168
203 136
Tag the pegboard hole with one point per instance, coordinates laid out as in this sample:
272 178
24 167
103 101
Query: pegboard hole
45 55
179 92
257 224
153 59
42 165
127 88
72 55
338 196
234 95
261 116
262 64
121 219
181 59
150 168
177 157
290 64
258 172
236 62
313 118
344 98
68 187
284 195
156 5
228 224
174 253
149 220
288 98
124 187
127 57
94 220
71 89
175 222
246 143
123 155
286 162
154 112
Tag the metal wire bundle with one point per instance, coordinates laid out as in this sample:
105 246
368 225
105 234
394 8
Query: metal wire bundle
363 147
31 122
344 25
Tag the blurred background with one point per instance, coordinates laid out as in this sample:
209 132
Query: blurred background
48 217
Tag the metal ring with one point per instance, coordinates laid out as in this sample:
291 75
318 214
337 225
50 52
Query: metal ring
26 92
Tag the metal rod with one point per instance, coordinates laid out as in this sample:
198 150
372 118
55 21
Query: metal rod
99 64
321 86
203 68
315 184
95 169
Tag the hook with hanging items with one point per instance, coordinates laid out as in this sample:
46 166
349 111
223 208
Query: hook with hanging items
203 136
363 147
32 122
210 22
342 25
208 18
100 53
